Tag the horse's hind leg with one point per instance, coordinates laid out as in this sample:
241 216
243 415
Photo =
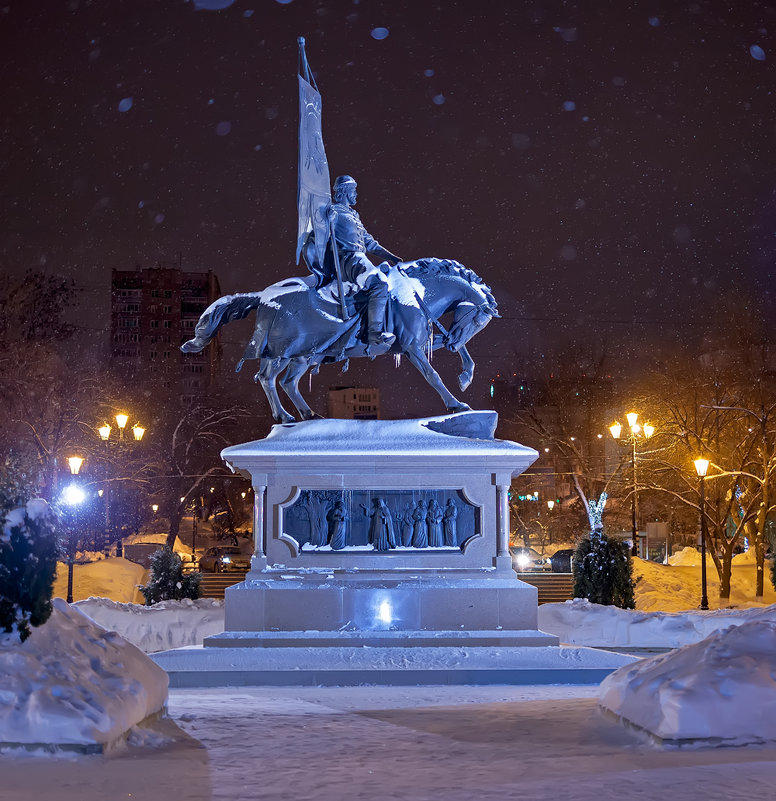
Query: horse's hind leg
269 369
418 358
290 384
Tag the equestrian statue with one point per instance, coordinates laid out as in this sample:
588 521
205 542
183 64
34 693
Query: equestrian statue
348 306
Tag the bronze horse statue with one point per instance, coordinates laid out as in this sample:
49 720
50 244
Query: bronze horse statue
299 328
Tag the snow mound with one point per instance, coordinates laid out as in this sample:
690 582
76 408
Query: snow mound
166 625
580 622
73 684
721 690
688 557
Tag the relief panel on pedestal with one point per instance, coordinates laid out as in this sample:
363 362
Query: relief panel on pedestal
387 521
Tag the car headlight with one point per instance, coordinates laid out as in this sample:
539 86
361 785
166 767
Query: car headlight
522 560
225 559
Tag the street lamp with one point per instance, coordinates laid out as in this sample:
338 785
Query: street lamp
701 468
72 496
635 432
550 505
105 431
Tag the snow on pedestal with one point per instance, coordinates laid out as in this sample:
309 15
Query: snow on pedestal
720 691
73 685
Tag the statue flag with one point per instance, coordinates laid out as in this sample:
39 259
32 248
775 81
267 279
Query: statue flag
314 195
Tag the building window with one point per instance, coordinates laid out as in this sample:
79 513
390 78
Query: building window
168 309
168 323
154 324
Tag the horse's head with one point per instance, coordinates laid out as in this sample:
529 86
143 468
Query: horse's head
469 319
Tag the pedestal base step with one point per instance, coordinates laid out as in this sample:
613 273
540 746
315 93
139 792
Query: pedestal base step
374 639
352 666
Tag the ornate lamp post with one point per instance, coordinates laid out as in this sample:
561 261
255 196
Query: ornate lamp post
73 496
105 435
701 468
636 431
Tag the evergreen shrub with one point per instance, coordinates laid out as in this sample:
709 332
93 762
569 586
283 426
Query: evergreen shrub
603 572
28 552
167 581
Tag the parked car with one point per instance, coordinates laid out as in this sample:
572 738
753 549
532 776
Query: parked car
528 560
224 558
561 560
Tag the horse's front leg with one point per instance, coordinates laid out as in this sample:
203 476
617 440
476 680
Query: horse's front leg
290 384
418 358
467 363
269 369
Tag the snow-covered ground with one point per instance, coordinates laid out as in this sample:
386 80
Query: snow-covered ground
107 578
438 742
392 744
677 586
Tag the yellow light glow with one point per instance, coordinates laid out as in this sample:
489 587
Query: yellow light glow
243 494
104 431
138 431
75 463
100 493
155 507
550 505
701 466
616 430
649 430
635 428
121 420
631 417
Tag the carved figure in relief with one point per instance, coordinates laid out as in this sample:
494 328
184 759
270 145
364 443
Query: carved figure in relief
419 531
434 522
338 521
406 525
449 523
381 533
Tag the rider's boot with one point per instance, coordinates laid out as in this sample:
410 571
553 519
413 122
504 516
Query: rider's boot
375 316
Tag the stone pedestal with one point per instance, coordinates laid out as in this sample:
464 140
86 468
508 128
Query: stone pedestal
385 587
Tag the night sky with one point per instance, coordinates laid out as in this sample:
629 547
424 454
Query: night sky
601 163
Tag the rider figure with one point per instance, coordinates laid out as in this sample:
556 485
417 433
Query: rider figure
353 242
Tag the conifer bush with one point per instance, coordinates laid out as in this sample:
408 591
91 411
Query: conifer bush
167 581
603 572
28 553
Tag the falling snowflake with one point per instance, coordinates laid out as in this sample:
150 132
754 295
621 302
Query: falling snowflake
125 104
757 52
379 33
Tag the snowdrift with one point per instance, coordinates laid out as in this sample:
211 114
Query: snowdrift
73 685
719 691
580 622
165 625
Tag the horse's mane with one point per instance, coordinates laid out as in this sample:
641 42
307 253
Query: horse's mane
428 267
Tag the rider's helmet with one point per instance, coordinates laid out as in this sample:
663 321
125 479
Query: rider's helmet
341 182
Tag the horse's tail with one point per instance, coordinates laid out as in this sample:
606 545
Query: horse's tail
218 313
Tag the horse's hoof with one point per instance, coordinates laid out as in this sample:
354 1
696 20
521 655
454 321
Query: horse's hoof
284 418
459 407
464 381
311 415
